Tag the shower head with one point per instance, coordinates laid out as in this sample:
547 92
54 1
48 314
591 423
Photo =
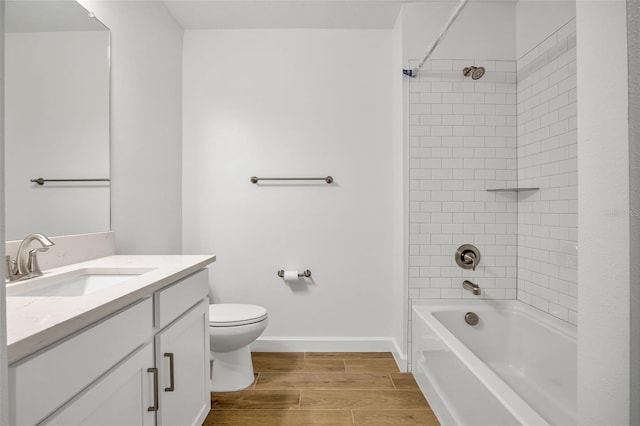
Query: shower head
475 72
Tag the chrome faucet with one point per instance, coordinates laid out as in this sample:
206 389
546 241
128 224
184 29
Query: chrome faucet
474 288
26 264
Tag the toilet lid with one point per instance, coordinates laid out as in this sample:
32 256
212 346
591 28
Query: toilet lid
231 314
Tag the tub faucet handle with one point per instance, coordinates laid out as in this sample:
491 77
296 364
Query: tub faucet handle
467 256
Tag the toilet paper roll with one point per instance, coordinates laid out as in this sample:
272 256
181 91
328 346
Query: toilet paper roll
291 275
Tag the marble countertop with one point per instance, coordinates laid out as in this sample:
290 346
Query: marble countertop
36 322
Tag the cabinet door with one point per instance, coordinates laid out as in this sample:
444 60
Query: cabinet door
182 357
122 397
44 382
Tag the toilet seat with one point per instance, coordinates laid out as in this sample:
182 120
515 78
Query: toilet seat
231 314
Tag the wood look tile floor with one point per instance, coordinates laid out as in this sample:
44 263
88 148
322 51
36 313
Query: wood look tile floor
324 388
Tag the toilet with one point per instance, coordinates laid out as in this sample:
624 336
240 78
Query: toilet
232 328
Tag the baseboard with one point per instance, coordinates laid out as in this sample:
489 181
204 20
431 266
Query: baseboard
323 344
400 356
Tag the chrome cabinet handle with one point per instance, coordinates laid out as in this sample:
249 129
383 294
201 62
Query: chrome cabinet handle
154 371
171 384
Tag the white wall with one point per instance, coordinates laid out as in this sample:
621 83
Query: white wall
538 19
633 38
294 103
604 224
484 29
146 58
57 127
400 203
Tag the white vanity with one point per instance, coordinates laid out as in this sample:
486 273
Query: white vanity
133 352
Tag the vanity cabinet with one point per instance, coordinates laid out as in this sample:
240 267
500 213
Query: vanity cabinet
147 364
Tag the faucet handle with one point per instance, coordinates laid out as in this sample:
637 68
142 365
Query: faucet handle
32 265
11 273
467 256
470 258
9 268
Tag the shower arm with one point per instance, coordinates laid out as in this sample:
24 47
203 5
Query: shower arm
454 15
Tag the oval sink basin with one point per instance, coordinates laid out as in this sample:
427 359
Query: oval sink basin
73 284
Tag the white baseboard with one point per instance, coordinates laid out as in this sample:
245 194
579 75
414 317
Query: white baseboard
323 344
331 344
400 356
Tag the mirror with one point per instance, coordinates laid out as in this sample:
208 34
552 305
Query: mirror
56 119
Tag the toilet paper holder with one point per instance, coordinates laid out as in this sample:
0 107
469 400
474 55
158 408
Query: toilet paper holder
305 274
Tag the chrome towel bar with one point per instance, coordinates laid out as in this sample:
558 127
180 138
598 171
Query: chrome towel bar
41 181
328 179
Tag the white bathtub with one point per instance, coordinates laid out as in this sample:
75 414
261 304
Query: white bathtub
516 366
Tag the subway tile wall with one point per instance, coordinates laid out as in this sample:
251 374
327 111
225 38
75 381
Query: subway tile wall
462 136
547 158
463 141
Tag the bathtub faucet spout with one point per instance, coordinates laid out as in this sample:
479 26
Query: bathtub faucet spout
474 288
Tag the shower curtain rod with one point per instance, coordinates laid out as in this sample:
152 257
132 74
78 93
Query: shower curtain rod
454 15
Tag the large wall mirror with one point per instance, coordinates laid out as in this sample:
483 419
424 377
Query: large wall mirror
56 119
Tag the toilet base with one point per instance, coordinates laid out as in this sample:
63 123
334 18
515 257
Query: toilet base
231 371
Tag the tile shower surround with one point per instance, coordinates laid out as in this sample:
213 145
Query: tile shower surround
547 158
462 136
506 129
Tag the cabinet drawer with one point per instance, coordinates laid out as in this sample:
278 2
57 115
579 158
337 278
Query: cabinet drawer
175 300
47 379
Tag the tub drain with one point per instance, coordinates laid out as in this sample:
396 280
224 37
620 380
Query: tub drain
471 318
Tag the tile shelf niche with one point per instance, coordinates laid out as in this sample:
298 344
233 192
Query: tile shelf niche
512 189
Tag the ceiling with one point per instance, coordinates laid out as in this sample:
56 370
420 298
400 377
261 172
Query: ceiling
232 14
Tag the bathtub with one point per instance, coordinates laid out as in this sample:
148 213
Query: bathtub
517 366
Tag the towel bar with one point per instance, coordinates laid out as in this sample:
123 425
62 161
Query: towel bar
41 181
328 179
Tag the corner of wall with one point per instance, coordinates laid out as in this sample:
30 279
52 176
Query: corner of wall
604 225
633 39
399 214
4 396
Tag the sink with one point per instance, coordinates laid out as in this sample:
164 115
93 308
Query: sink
73 284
